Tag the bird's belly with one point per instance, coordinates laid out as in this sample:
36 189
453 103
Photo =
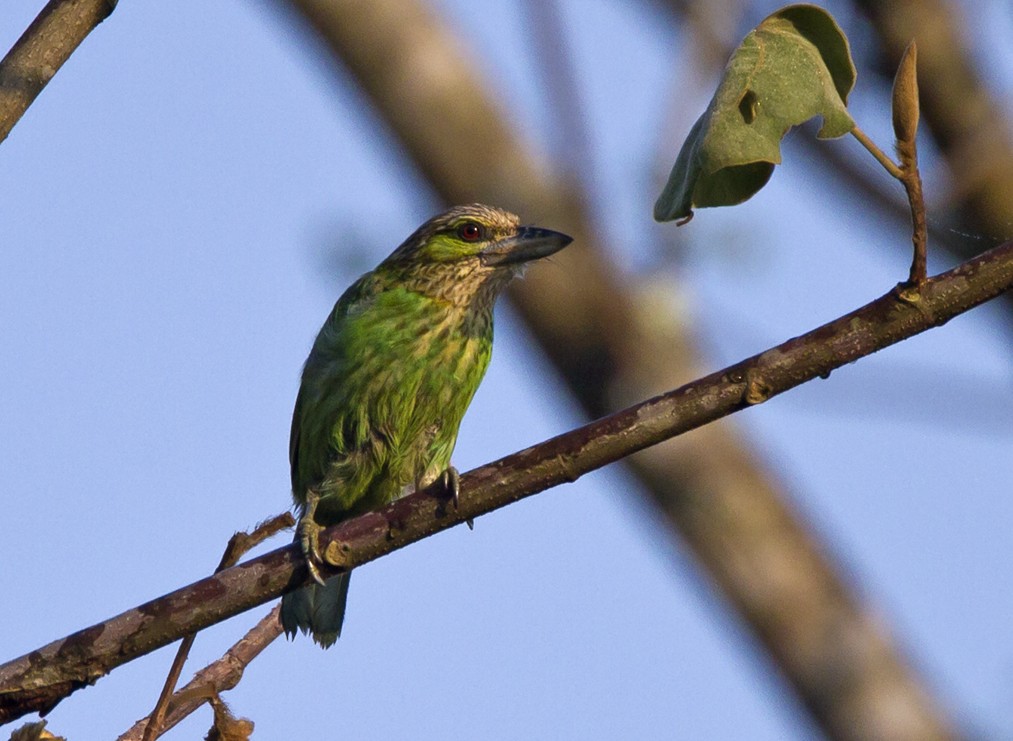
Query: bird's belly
413 404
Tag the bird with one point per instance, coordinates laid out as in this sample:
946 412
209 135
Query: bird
388 380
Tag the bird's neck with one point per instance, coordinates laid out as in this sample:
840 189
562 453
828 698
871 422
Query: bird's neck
462 287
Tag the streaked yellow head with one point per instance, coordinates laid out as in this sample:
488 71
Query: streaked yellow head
469 253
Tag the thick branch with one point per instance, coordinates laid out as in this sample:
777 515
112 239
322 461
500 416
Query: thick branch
41 51
39 680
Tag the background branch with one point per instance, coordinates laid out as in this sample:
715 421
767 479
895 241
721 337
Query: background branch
39 680
610 344
42 49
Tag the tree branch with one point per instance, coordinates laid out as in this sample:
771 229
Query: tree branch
42 49
40 679
218 676
238 545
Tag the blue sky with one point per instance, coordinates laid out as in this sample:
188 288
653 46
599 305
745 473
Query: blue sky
183 204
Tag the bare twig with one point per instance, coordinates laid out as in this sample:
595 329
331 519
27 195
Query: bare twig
215 678
42 49
239 544
905 127
912 181
39 680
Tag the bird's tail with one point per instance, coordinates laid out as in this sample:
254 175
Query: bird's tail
317 609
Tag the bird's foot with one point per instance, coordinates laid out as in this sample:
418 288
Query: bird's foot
309 537
451 482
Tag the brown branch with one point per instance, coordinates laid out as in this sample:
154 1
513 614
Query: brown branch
217 677
908 175
40 679
238 545
42 49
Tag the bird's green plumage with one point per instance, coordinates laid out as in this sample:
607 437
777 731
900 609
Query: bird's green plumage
391 374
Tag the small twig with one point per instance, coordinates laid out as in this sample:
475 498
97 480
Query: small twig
905 127
912 181
42 49
239 544
217 677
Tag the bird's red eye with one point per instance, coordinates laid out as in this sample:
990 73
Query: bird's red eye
469 231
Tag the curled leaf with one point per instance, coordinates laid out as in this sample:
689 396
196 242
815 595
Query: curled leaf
794 66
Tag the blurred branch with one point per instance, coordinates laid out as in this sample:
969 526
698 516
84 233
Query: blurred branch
40 679
42 49
553 55
968 125
217 677
610 346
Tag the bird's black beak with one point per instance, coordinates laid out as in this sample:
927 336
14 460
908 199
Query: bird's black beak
530 243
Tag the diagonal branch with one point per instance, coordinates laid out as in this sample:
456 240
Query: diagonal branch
40 679
239 544
218 676
42 49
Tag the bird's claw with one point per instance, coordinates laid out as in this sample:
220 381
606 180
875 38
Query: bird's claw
451 481
309 537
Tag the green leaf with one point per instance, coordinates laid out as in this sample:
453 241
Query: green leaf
792 67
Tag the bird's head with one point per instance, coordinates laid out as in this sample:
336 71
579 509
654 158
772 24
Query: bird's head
470 252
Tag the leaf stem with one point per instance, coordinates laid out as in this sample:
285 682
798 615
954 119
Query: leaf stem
907 173
879 154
